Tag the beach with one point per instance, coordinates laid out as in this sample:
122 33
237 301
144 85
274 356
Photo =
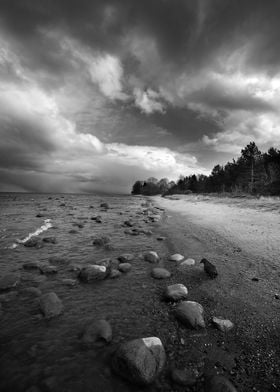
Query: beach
239 237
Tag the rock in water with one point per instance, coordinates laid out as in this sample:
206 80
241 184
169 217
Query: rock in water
222 325
176 257
176 292
160 273
151 256
9 281
99 331
92 273
209 268
140 361
124 267
190 313
51 305
218 384
126 257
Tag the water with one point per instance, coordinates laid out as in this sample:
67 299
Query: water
49 354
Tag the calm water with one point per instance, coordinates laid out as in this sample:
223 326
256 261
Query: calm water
49 354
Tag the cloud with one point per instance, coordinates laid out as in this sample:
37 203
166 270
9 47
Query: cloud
148 101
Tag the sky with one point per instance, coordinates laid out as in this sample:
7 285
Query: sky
96 94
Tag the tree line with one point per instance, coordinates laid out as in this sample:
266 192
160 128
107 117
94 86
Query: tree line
253 172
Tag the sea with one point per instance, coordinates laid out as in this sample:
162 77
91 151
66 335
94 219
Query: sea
37 354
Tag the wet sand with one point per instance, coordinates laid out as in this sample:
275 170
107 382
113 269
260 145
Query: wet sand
241 237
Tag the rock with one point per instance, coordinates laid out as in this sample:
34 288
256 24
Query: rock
50 305
50 240
255 279
79 225
176 292
146 232
69 282
183 377
98 219
32 291
76 267
40 215
105 262
128 223
115 274
160 238
93 272
176 257
276 296
222 325
218 384
101 241
31 265
104 205
48 269
126 257
187 262
151 256
9 281
190 313
140 361
160 273
209 268
124 267
72 231
34 242
99 331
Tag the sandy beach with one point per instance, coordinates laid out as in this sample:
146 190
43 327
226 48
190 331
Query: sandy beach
241 237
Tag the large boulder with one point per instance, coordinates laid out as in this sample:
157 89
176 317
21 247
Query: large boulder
9 281
176 292
160 273
151 256
99 331
51 305
93 272
140 361
190 314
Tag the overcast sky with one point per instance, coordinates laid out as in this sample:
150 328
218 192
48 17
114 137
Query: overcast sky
95 94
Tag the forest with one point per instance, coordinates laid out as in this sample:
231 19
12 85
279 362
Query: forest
253 172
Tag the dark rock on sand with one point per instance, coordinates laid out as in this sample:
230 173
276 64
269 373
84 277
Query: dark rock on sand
140 361
176 292
72 231
92 273
40 215
99 331
190 314
160 238
131 232
218 384
222 325
51 305
128 223
34 242
104 205
185 377
255 279
124 267
209 268
101 241
9 281
50 240
151 256
160 273
79 225
126 257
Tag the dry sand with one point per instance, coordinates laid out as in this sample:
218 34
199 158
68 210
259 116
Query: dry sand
241 237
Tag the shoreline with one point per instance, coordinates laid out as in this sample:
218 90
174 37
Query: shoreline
199 228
